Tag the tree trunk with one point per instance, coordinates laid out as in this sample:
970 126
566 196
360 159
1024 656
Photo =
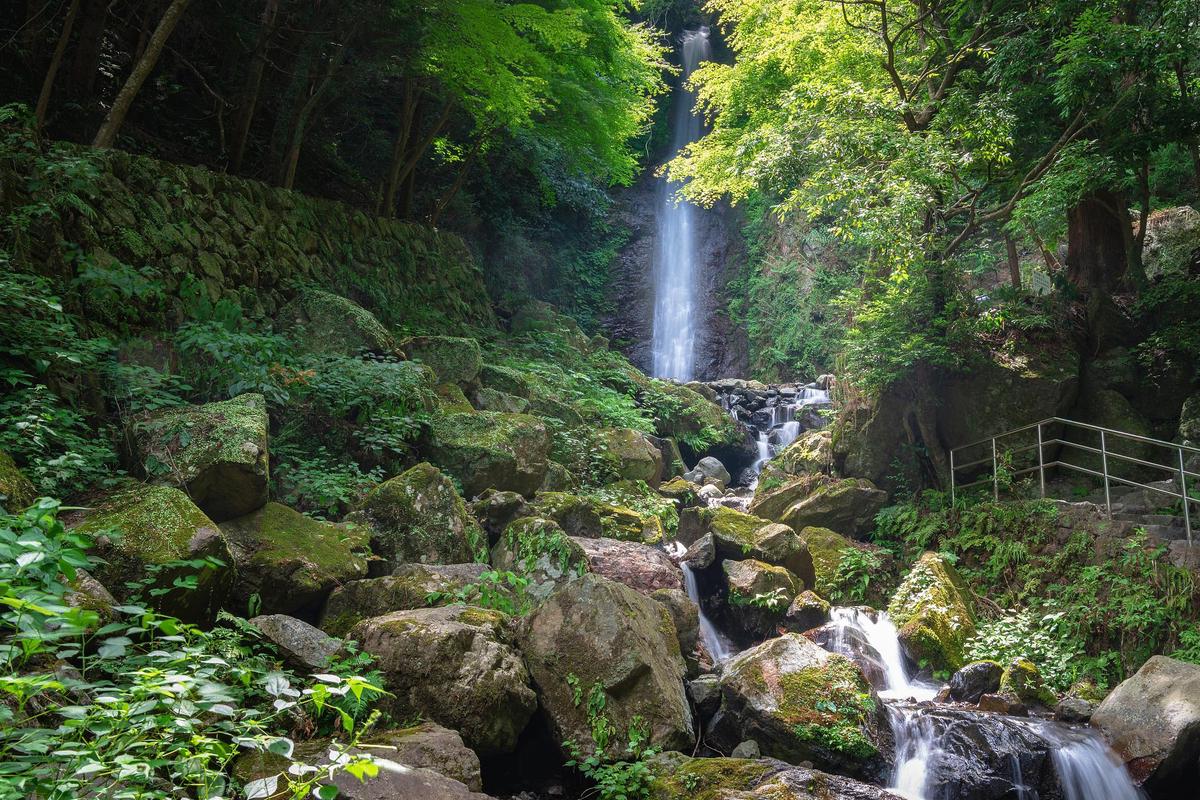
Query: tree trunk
1097 232
85 59
411 98
419 151
291 161
250 92
43 103
107 135
1185 96
458 181
1014 262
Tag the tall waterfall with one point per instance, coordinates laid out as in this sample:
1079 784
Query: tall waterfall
675 273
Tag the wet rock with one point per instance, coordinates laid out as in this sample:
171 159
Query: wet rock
702 553
607 639
16 491
678 777
491 450
934 611
974 680
853 644
453 359
709 470
638 566
1003 704
1152 721
1022 680
800 703
305 648
848 506
454 666
737 535
705 692
216 452
291 562
1074 710
686 616
418 516
807 611
409 587
160 525
759 595
328 324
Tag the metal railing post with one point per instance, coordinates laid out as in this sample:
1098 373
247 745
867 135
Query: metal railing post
1187 514
995 473
1104 469
952 478
1041 462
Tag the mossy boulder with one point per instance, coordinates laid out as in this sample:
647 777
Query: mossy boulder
16 491
491 450
590 518
542 405
558 478
934 610
848 506
678 777
289 561
450 399
156 526
410 586
810 454
800 703
630 455
453 359
486 399
688 416
540 550
418 516
807 611
759 595
216 452
737 535
826 548
328 324
504 379
595 642
455 666
1022 680
682 491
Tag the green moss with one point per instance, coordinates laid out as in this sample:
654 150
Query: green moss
331 324
454 359
481 617
1022 680
532 538
504 379
934 610
16 491
491 450
451 400
736 525
826 548
155 523
710 779
828 706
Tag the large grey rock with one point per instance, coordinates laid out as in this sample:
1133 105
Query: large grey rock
491 450
974 680
847 506
216 452
709 470
321 322
596 635
737 535
1152 721
638 566
454 666
306 648
409 587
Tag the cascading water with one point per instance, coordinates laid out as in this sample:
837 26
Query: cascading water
717 646
675 325
1088 770
884 640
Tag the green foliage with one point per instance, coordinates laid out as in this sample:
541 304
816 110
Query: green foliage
1041 638
856 570
148 704
771 601
316 482
500 591
627 779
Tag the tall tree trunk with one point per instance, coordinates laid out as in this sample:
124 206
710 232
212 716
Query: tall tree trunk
248 102
107 135
85 55
1185 95
418 152
458 181
1014 262
411 97
287 177
1098 228
43 103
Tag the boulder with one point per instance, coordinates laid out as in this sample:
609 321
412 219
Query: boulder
486 399
504 379
638 566
677 777
16 491
450 399
848 506
591 518
738 535
686 616
558 478
759 595
491 450
453 359
800 703
303 647
289 561
972 681
934 611
452 665
682 491
630 455
596 643
494 510
810 454
157 525
705 691
1006 704
1022 680
807 611
538 549
418 516
1074 711
826 548
216 452
328 324
1152 721
709 470
410 586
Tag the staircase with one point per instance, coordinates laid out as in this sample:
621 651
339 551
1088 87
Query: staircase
1147 483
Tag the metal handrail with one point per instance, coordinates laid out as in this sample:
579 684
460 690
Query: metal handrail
1104 451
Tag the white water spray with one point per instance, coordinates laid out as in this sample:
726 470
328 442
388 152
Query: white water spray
675 326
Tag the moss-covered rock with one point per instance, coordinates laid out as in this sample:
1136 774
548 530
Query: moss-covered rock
452 665
541 551
691 418
934 611
590 518
504 379
328 324
759 595
410 586
737 535
595 644
450 399
558 478
16 491
216 452
542 405
453 359
810 454
630 455
809 610
154 527
826 548
491 450
848 506
800 703
493 400
1022 680
419 516
682 491
677 777
289 561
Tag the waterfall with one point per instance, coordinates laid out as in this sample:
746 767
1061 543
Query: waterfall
883 650
675 278
1088 770
717 645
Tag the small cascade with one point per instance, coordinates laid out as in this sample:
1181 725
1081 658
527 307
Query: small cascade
916 740
717 646
1088 769
864 634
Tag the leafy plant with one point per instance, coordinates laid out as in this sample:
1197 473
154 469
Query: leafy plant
501 591
856 569
627 779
